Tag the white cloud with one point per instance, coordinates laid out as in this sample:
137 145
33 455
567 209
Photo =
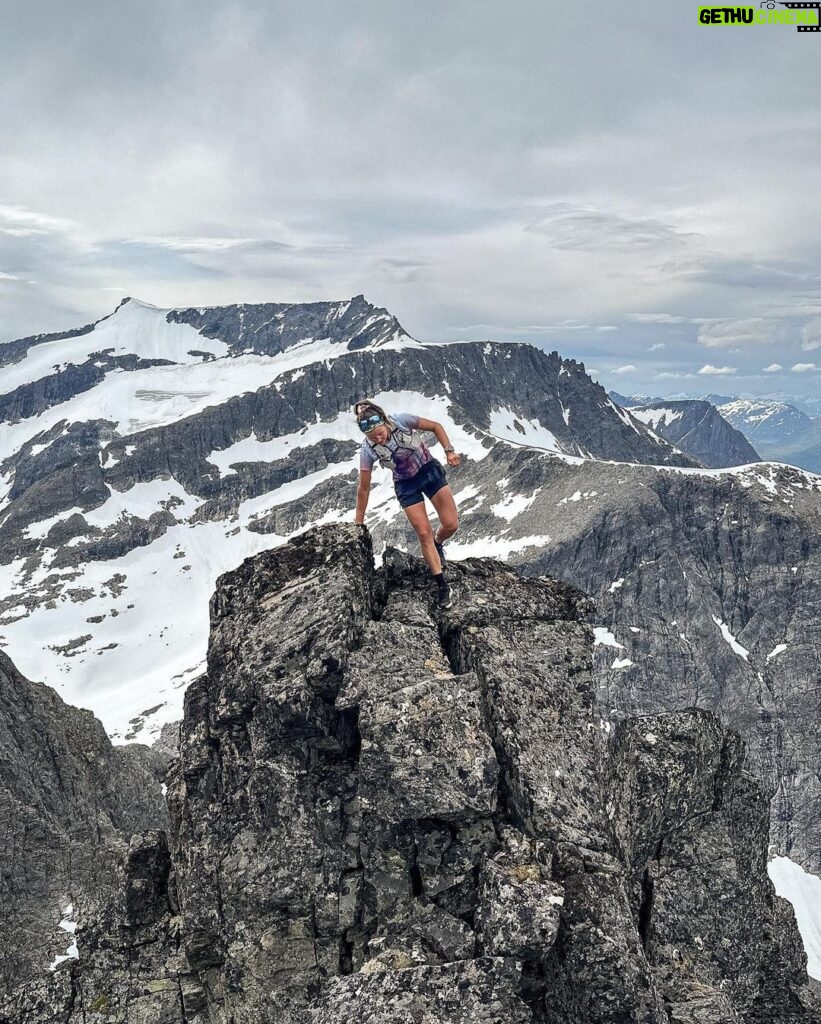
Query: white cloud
803 367
811 335
21 222
730 333
629 368
718 371
608 206
656 318
773 368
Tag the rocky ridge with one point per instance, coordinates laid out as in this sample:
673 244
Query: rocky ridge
70 804
381 814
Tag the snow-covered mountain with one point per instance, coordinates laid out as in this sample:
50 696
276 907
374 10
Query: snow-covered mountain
766 422
699 429
631 401
161 447
147 453
778 430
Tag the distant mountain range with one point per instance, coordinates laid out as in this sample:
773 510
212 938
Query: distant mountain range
698 429
171 444
777 430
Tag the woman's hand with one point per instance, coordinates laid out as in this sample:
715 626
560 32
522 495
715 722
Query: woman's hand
454 459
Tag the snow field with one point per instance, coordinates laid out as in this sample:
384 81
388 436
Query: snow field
803 890
137 328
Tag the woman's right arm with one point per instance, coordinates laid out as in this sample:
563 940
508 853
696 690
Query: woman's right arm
362 495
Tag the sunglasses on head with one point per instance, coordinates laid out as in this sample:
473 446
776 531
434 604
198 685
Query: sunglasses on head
370 422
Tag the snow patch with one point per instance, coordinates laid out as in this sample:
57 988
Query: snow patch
657 417
496 547
602 635
40 529
578 496
742 652
251 449
513 505
508 425
803 890
69 926
621 663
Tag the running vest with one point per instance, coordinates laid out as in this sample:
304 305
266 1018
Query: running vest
410 440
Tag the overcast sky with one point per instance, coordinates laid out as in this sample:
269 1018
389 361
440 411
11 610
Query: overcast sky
615 181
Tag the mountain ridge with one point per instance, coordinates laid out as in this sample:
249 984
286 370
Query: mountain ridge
384 813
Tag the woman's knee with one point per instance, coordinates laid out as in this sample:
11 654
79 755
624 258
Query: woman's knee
449 522
424 532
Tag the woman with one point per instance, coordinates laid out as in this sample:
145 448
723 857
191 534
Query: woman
395 442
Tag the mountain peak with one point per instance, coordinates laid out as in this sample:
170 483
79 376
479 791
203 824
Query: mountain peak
401 808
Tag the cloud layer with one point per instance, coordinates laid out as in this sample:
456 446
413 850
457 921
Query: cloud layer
599 185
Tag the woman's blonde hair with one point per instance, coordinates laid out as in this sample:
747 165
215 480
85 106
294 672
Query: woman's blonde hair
366 406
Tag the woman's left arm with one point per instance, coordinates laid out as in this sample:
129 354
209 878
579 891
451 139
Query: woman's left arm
435 427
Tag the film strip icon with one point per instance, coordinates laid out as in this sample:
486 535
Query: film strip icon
814 5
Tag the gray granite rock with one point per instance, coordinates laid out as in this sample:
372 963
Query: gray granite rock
70 803
310 892
384 813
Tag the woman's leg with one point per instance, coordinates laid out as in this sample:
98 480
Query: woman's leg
418 516
448 516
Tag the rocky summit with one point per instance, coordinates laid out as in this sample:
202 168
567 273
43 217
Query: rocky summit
384 813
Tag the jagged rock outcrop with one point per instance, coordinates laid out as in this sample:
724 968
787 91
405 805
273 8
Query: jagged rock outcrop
709 588
379 815
384 814
70 803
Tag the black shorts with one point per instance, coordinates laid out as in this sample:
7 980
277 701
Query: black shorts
430 479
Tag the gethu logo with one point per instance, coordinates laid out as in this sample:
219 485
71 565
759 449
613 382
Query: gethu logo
805 16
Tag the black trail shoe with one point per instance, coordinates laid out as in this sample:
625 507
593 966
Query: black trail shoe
444 599
441 551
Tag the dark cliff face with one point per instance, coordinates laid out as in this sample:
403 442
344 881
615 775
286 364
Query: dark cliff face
381 814
273 327
698 429
69 805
